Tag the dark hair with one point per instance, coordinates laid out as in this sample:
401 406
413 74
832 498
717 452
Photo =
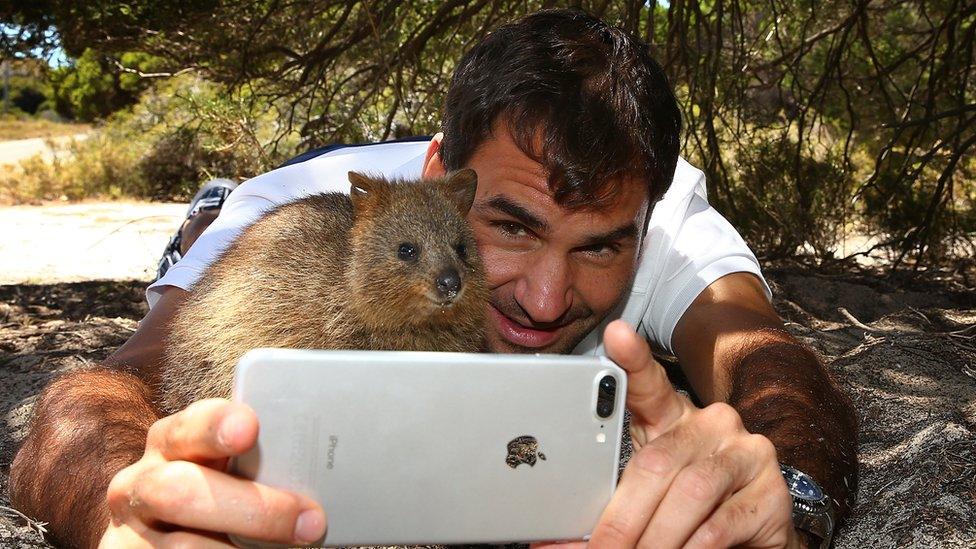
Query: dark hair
582 98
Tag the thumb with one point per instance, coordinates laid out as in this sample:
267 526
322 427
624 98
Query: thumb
652 401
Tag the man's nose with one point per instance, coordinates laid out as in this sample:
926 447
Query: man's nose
545 289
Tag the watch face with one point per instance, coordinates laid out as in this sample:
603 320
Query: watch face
801 485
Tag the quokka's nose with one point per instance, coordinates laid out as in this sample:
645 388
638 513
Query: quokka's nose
448 283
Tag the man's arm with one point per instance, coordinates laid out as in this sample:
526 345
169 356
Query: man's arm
87 426
733 347
101 466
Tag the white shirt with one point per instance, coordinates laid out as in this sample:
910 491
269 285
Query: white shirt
688 246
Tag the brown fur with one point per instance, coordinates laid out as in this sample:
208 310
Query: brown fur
323 273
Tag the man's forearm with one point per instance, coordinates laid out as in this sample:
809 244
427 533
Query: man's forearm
86 427
783 391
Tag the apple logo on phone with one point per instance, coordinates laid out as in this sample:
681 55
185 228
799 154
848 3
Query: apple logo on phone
523 449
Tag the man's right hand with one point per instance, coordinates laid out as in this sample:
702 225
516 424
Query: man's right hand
178 495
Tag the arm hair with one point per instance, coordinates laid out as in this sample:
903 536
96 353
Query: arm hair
782 390
87 426
733 347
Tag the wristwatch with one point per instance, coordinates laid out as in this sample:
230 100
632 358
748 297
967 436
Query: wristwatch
813 511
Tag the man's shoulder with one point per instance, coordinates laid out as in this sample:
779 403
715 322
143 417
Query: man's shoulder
404 144
687 180
688 246
325 169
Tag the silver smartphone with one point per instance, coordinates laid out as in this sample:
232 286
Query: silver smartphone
404 448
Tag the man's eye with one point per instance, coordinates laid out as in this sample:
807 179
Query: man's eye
601 250
511 229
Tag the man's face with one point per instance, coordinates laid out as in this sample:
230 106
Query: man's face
554 273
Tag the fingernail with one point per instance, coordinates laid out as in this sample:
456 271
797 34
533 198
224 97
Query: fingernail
229 431
310 526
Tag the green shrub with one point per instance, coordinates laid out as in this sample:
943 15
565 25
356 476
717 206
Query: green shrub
784 209
94 86
899 208
182 132
96 166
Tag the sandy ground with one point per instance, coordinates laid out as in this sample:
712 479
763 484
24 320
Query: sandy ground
87 241
904 350
13 151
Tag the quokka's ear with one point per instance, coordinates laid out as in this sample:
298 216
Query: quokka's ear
361 188
460 186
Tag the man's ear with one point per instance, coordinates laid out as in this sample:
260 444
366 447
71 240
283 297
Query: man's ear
361 187
460 187
433 163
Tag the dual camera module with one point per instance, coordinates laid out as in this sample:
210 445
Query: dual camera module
606 396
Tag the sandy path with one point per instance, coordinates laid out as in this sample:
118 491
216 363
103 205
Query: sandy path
88 241
13 151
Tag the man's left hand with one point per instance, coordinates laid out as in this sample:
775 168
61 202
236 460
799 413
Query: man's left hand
697 478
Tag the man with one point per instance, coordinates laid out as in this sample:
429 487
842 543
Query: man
584 214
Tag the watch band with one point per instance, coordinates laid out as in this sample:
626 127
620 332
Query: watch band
813 511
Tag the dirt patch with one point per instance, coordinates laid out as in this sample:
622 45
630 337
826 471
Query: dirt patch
46 330
905 353
18 129
61 242
15 151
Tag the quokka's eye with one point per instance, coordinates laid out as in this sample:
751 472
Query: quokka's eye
461 250
407 251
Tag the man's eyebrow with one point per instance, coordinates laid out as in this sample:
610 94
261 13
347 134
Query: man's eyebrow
529 219
620 233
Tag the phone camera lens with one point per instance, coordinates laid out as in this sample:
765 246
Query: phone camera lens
606 396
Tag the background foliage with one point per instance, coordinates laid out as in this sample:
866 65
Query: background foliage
813 120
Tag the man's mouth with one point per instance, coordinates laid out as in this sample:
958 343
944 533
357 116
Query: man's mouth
523 336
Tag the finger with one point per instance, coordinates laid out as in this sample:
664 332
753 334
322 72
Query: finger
644 482
126 535
650 397
206 430
759 515
180 540
192 496
558 545
697 490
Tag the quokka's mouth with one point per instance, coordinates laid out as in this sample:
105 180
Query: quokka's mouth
440 302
